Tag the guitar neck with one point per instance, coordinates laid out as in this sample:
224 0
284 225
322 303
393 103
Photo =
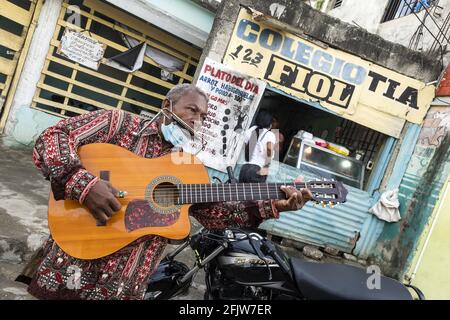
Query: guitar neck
201 193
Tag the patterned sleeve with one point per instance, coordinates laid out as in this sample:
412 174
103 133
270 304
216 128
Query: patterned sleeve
216 216
55 151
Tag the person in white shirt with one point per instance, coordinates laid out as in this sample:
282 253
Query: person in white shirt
279 142
259 149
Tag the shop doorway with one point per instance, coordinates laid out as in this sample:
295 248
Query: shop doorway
322 143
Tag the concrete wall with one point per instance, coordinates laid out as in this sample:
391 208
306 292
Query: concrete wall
300 18
402 30
24 124
366 14
431 261
425 175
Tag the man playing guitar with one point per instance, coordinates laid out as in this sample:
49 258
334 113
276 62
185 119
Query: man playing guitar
123 274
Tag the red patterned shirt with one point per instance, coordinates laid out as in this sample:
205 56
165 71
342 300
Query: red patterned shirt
122 275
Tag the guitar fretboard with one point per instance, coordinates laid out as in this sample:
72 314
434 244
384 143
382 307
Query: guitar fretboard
201 193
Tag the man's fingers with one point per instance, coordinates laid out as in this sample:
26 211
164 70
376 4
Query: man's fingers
292 198
114 191
100 217
296 199
288 190
115 204
285 190
299 179
111 188
306 193
118 193
108 184
108 211
300 200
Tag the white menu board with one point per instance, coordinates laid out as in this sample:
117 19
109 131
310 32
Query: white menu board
233 101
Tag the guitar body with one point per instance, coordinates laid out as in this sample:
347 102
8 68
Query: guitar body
146 209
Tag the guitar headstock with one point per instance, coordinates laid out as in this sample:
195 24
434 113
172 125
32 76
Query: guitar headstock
327 192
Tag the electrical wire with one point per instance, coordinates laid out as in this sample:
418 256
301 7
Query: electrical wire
415 14
434 21
443 101
432 34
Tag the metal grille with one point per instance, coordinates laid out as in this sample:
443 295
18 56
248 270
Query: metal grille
339 227
337 4
399 8
15 19
442 36
358 137
68 89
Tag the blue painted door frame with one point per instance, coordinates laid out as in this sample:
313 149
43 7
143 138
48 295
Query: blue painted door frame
373 227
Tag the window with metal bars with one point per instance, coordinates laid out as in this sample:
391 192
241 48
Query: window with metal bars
67 88
337 4
359 138
400 8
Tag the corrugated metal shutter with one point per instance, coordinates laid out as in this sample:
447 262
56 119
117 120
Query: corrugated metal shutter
338 227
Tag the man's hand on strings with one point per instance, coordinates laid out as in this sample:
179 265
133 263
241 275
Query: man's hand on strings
295 198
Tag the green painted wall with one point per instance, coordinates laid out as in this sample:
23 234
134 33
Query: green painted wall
29 124
432 262
188 11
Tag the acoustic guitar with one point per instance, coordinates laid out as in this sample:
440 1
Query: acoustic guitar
159 193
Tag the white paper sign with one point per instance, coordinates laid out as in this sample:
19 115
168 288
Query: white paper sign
82 49
233 101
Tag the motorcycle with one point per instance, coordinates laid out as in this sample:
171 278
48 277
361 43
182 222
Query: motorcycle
245 265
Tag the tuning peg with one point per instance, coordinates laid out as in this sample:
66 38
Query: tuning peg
324 205
331 205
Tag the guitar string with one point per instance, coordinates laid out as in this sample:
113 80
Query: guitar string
205 188
239 189
168 196
169 190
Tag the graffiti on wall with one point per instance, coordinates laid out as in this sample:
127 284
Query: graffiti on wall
435 127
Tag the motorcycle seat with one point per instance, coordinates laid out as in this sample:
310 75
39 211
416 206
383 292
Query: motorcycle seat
332 281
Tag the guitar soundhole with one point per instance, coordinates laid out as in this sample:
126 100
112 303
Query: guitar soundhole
165 195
